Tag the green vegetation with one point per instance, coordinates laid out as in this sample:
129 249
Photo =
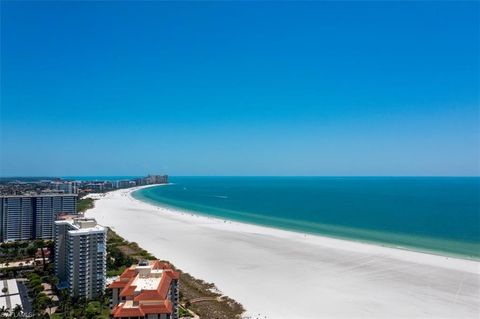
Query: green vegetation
70 308
183 313
122 254
195 295
21 250
67 307
40 301
84 204
16 312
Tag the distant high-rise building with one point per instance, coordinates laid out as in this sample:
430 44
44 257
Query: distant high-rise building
69 187
80 256
96 186
123 184
155 179
161 179
147 290
25 217
66 187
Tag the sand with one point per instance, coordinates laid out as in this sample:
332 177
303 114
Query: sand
280 274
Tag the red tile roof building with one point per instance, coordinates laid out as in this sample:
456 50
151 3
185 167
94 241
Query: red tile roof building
43 252
148 290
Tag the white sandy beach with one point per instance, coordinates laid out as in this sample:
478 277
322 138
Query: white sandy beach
279 274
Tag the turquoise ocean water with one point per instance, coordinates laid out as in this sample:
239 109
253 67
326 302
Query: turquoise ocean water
433 214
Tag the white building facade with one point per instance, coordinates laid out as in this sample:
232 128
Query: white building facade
80 256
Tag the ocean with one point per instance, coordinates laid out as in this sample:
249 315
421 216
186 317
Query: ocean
432 214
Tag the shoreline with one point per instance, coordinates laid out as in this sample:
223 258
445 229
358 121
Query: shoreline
337 257
268 228
353 245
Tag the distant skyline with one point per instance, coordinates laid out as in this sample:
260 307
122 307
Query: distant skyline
240 88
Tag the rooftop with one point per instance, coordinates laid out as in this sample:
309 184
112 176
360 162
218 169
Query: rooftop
39 195
80 225
146 283
11 297
145 286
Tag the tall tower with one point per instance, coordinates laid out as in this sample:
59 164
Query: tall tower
80 256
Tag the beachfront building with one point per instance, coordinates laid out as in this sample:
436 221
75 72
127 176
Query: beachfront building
98 186
152 179
80 256
25 217
147 290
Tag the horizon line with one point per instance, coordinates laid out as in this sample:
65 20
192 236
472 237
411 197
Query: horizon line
121 175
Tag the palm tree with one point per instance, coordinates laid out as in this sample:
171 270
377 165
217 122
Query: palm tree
49 304
65 302
84 303
53 281
17 311
4 313
62 297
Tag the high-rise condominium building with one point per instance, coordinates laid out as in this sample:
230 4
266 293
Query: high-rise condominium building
147 290
25 217
80 256
152 179
66 187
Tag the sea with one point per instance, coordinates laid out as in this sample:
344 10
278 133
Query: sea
438 215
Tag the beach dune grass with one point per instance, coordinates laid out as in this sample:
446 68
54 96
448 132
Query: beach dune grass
334 278
122 254
84 204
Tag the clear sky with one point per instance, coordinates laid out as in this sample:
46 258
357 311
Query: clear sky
239 88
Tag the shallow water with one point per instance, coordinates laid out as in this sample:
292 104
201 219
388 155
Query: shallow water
435 214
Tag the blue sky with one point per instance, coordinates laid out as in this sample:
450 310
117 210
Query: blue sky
239 88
